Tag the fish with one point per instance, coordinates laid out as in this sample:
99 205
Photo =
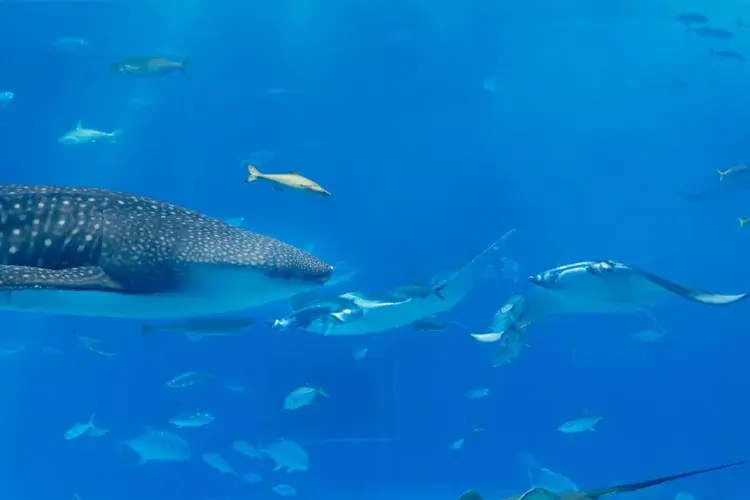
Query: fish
247 449
302 396
187 379
730 180
478 393
150 66
284 490
418 291
69 43
287 454
218 462
582 424
291 180
197 328
596 287
80 429
195 420
648 335
743 221
429 324
457 444
691 18
81 135
96 252
156 445
728 54
596 494
252 477
94 345
5 98
394 314
359 353
715 33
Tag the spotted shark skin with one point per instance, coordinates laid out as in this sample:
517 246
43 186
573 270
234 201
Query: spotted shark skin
155 258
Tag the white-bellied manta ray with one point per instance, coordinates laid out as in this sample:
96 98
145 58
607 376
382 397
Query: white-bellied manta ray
380 316
595 287
95 252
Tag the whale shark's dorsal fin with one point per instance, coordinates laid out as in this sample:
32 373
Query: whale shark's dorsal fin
470 495
79 125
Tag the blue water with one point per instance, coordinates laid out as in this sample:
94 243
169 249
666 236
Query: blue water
580 149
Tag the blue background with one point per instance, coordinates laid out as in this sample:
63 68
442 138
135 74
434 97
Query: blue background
580 149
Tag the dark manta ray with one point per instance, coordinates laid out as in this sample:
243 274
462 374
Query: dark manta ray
543 494
95 252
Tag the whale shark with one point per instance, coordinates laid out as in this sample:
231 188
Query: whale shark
96 252
592 287
383 315
596 494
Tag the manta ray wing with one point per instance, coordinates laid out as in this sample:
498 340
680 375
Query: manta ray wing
715 299
89 278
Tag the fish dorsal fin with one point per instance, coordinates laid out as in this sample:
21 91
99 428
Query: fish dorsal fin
293 172
79 125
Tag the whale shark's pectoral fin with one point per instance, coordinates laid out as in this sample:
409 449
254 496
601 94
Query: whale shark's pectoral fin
77 278
715 299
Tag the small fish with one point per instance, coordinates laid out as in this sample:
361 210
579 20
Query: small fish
648 336
252 478
149 66
81 135
238 388
359 353
284 490
69 43
419 291
186 379
728 54
302 396
196 420
715 33
235 221
94 345
203 326
582 424
5 98
429 324
691 18
291 180
457 444
218 462
247 449
478 393
79 430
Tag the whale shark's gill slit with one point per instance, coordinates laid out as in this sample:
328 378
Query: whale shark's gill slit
716 299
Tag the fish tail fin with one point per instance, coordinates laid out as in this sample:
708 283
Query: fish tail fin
438 290
323 393
185 65
116 134
742 222
91 419
721 173
253 174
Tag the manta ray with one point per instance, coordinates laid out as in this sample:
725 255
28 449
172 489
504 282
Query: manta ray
597 287
96 252
383 315
596 494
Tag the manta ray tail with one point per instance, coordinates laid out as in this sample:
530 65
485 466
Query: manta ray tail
630 487
714 299
542 494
